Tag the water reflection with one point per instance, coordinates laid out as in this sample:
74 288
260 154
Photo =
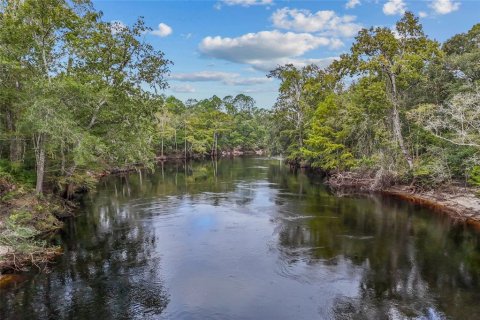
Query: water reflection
249 239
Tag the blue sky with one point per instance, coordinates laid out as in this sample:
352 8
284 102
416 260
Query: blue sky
226 47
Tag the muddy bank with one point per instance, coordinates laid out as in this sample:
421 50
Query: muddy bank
461 203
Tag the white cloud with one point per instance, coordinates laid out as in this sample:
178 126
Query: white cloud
244 3
422 14
259 90
322 63
163 30
392 7
116 26
326 22
352 4
264 48
227 78
444 6
183 88
248 81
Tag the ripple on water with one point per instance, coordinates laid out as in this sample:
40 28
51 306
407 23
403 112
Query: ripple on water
193 313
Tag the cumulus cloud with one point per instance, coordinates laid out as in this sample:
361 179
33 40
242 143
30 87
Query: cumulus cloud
227 78
183 88
263 48
393 7
444 6
326 22
244 3
163 30
352 4
422 14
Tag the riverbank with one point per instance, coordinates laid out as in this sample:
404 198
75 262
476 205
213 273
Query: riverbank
26 222
461 203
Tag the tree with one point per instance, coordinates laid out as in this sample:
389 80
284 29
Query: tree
456 122
77 86
300 92
325 146
398 57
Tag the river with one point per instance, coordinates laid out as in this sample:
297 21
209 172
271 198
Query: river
250 239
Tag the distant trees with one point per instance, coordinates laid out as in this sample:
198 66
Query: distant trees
210 126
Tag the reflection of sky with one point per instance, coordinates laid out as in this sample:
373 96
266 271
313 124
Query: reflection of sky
217 260
202 223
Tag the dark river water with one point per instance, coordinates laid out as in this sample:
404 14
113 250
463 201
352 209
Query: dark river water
250 239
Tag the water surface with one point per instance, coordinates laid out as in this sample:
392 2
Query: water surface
250 239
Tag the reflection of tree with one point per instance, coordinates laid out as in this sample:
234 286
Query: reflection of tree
406 262
110 270
412 264
193 180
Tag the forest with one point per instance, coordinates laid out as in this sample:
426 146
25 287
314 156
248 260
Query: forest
80 95
400 107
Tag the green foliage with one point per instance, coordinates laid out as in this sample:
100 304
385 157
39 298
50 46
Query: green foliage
410 108
198 128
20 238
474 176
76 92
15 172
20 217
432 169
325 147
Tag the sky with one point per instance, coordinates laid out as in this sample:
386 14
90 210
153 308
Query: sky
227 47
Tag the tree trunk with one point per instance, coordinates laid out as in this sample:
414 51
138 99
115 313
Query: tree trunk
40 162
213 144
185 141
163 132
397 126
62 166
176 147
162 145
15 142
216 145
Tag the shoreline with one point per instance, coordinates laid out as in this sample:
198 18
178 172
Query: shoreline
459 203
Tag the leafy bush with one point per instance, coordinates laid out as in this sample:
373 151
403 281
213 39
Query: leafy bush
474 176
431 171
15 172
20 237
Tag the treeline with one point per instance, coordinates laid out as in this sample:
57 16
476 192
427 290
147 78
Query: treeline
78 94
211 127
399 106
